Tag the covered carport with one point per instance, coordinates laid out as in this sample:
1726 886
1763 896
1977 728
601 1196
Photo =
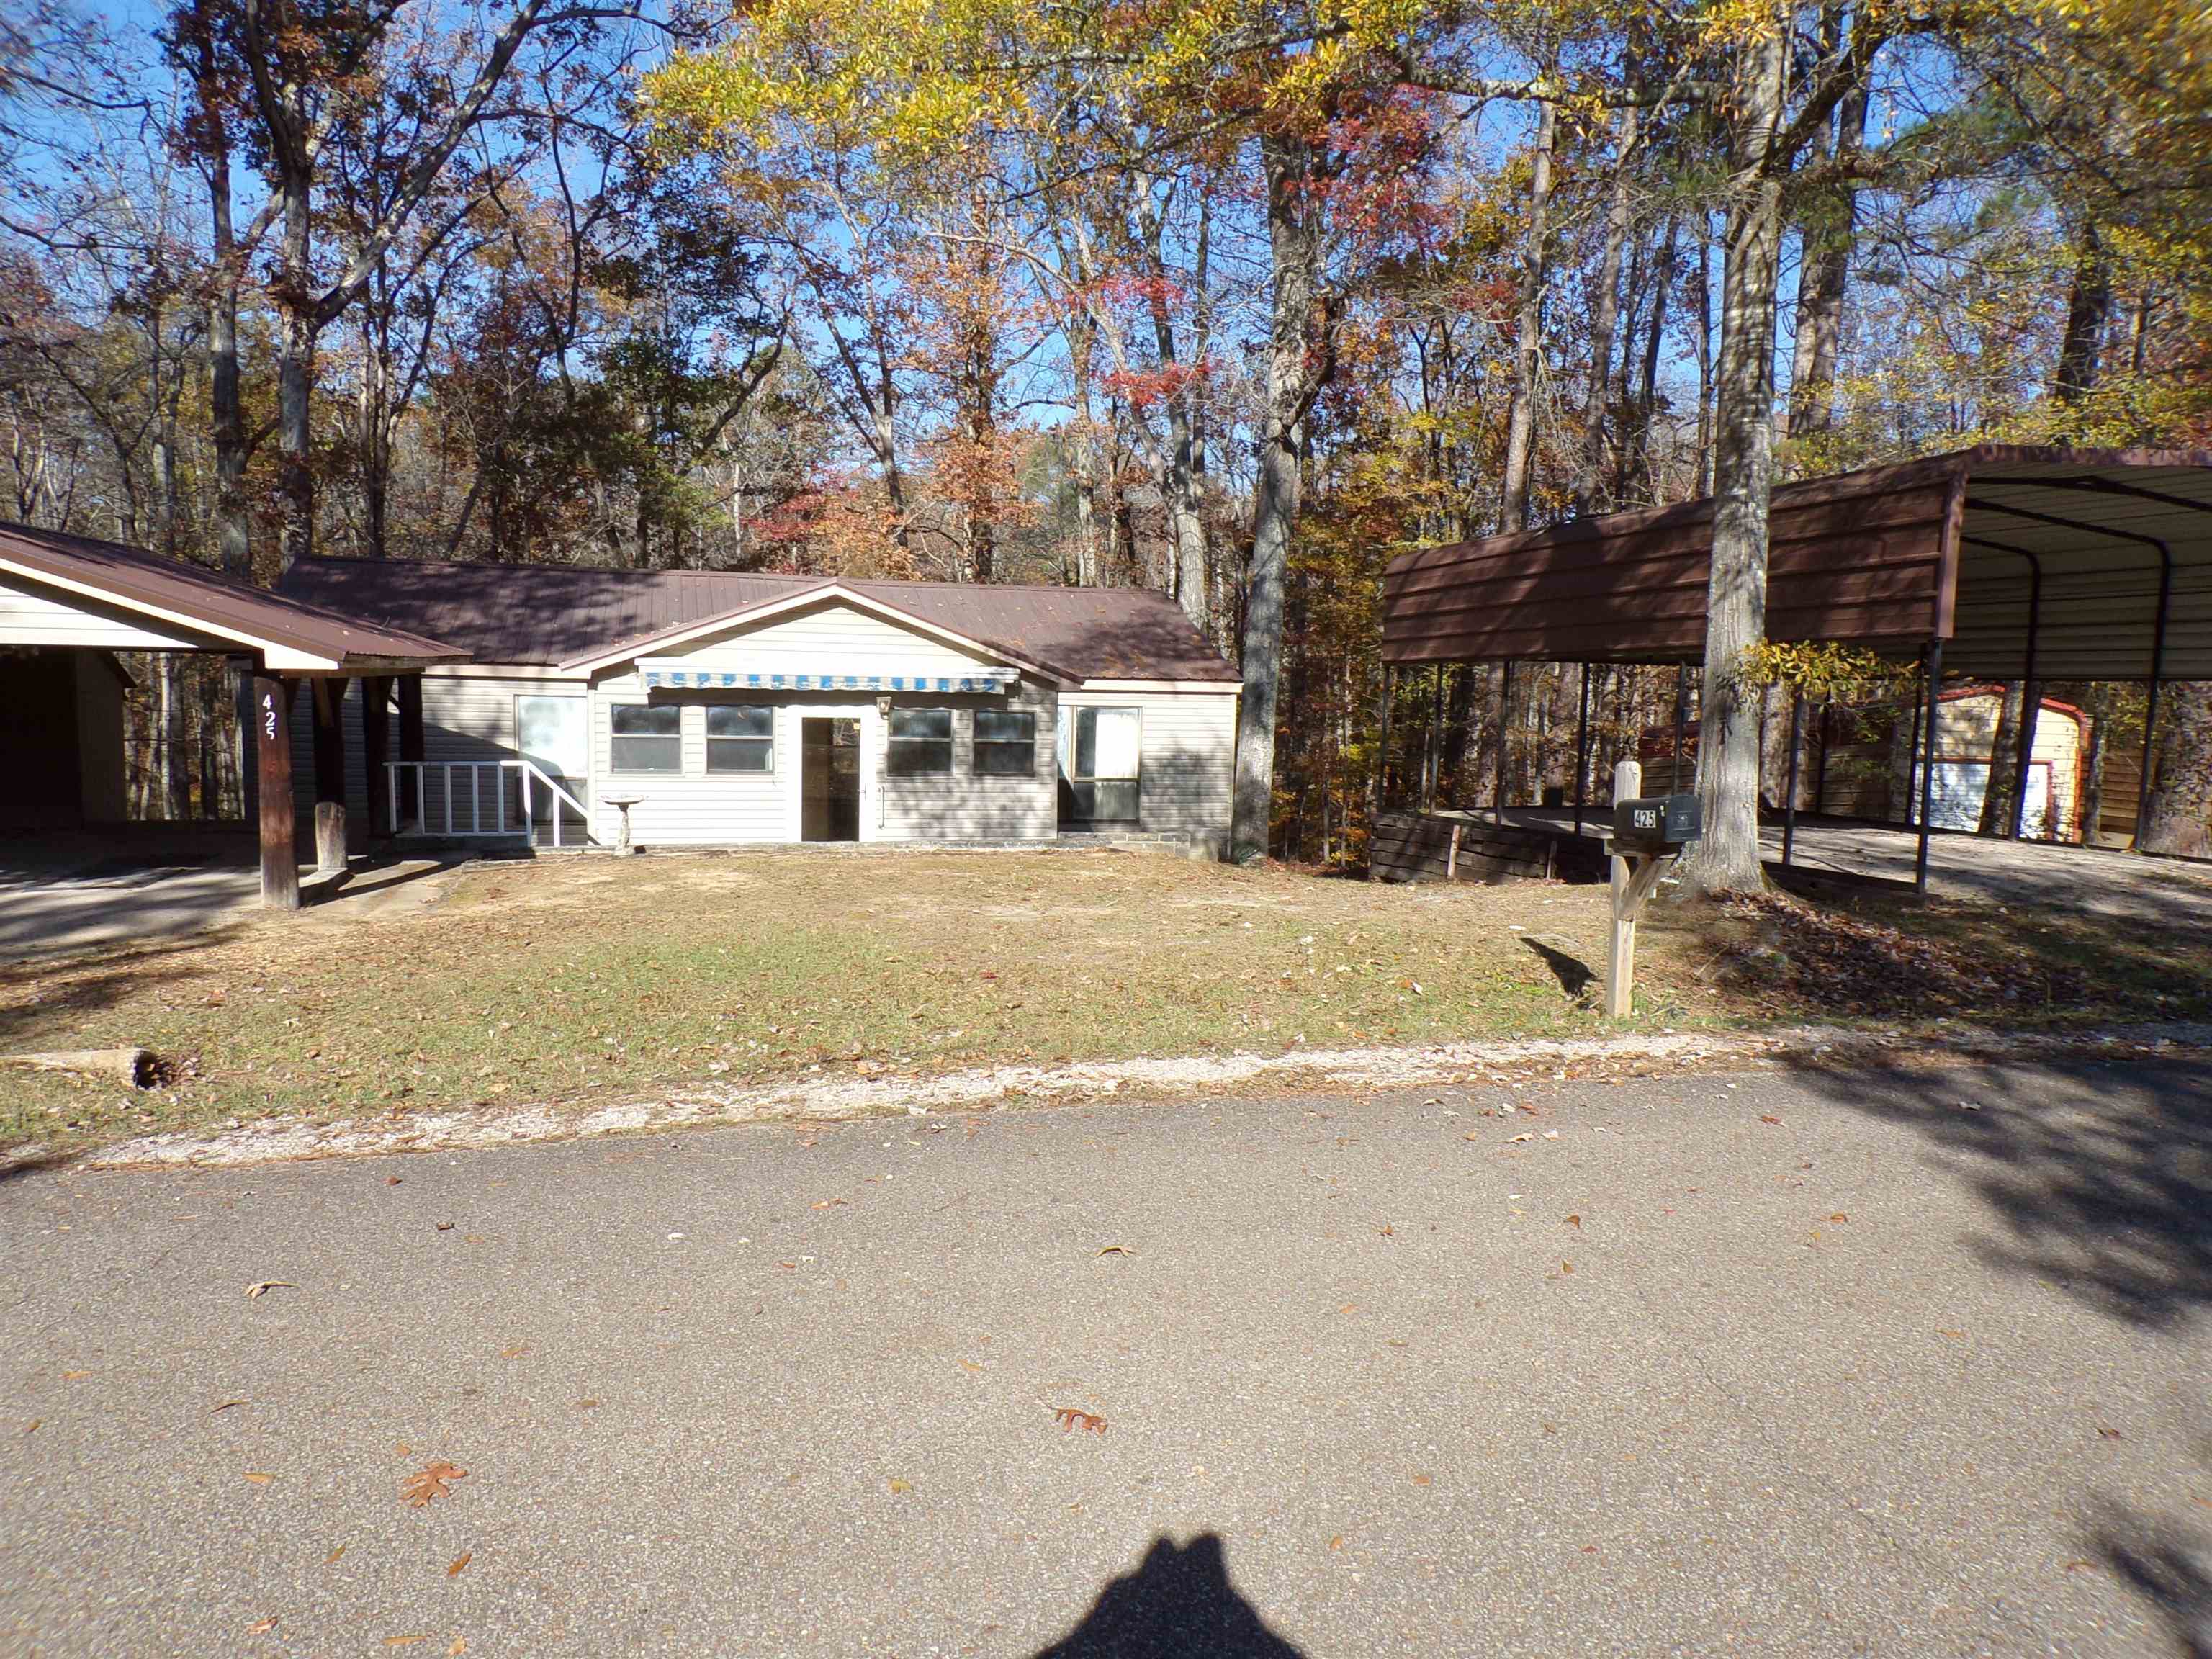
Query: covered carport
68 602
1994 563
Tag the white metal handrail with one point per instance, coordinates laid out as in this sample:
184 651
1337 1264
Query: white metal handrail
526 774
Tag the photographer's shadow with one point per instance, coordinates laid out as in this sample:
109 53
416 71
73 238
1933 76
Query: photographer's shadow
1178 1604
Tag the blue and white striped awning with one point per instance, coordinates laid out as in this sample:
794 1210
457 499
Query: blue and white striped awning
691 677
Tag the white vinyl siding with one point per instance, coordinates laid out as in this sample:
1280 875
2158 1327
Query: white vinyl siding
34 615
834 639
692 806
962 806
1188 757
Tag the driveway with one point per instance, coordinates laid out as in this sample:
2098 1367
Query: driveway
54 900
1801 1363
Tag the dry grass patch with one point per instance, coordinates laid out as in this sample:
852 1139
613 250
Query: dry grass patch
585 980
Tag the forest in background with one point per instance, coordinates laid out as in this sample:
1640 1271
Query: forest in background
1232 300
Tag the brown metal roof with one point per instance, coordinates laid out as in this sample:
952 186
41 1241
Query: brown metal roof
549 615
205 601
1887 558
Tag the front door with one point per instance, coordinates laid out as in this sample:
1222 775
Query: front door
829 779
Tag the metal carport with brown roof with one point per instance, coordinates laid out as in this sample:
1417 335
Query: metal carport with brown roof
63 592
2005 561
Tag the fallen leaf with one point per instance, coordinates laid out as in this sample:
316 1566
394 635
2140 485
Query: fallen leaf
264 1286
263 1626
2109 1434
1471 1135
1840 1216
1070 1418
1524 1135
391 1181
588 1405
2080 1567
1566 1266
258 1478
793 1265
1576 1222
1117 1249
1337 1542
444 1226
460 1645
515 1352
1388 1231
970 1365
332 1557
1590 1549
460 1561
31 1427
432 1480
224 1405
74 1376
1421 1480
1768 1117
898 1486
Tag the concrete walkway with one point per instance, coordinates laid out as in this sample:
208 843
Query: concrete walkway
54 900
1802 1362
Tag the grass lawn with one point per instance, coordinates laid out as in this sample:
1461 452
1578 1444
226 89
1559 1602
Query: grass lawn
590 980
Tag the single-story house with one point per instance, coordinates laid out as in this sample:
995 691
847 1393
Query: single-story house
705 709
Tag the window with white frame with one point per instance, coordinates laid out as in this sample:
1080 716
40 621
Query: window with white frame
920 743
740 738
1005 742
1103 764
646 737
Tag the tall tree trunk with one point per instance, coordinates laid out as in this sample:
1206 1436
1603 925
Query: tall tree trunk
1604 319
1296 366
295 374
1705 412
2088 313
1636 455
1823 280
2097 702
1528 348
1728 860
2179 816
2004 764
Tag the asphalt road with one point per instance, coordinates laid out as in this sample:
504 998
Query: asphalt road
1809 1364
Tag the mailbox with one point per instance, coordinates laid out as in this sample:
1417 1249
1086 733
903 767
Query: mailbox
1657 821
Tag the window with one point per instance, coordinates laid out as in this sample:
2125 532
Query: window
740 738
1005 742
648 737
1103 769
920 743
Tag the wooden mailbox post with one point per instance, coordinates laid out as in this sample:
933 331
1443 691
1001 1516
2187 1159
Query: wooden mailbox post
1648 837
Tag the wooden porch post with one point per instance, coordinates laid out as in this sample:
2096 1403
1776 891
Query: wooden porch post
375 739
330 775
410 749
271 728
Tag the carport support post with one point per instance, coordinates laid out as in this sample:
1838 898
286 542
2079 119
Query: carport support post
330 775
1934 674
271 726
1582 749
410 749
1789 785
1504 727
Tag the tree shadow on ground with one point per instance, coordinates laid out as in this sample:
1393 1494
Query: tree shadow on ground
2097 1174
2166 1568
1178 1604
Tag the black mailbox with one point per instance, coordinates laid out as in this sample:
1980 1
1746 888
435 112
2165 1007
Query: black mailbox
1658 821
